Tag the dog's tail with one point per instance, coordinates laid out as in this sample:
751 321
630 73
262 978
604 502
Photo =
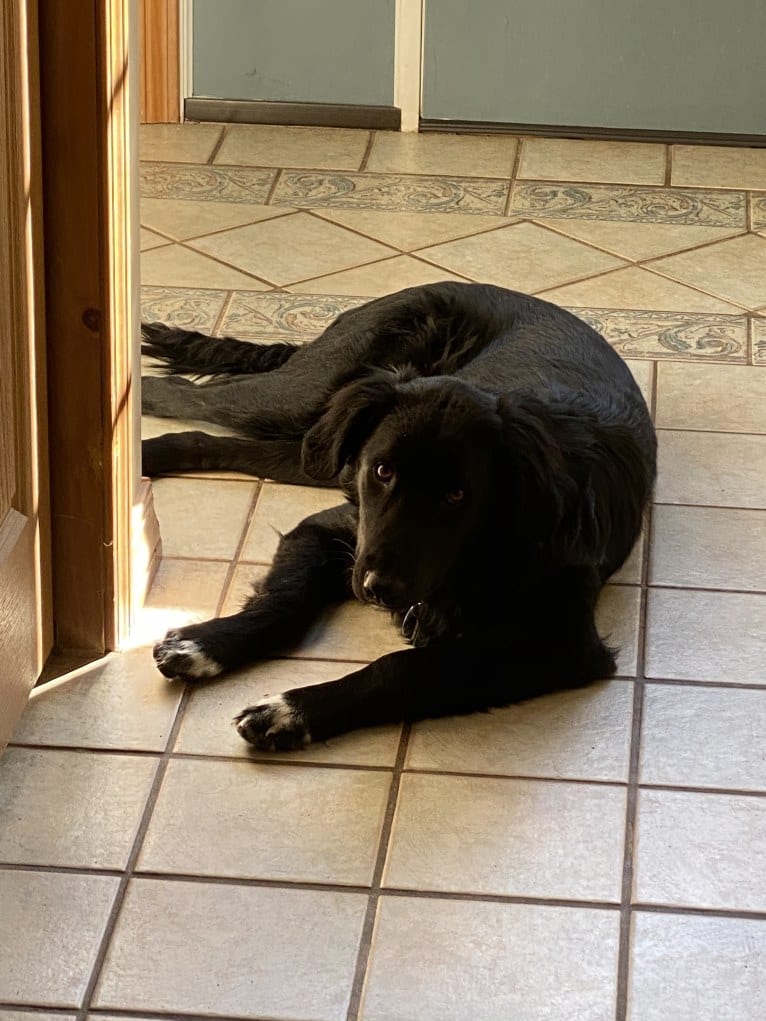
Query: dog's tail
195 354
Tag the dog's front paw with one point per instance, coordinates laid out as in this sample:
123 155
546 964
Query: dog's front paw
273 724
177 656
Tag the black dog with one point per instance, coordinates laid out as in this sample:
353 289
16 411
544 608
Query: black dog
497 457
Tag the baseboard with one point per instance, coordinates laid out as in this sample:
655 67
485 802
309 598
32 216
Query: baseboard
601 134
326 115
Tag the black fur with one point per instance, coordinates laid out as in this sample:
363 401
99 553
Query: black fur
497 458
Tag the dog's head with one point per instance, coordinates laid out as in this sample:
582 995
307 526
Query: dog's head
433 478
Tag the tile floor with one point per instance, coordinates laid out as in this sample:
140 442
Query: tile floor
595 855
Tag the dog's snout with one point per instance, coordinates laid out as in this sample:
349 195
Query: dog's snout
378 589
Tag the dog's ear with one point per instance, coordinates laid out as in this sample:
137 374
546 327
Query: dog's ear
350 416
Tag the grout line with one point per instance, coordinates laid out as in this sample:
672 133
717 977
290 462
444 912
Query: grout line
285 211
631 804
668 166
368 925
273 187
135 850
229 265
693 287
521 142
217 147
222 313
367 152
227 581
749 211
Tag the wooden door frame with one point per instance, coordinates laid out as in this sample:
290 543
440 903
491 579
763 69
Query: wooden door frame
161 72
105 539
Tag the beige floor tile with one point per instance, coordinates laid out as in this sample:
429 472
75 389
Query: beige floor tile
117 702
352 631
568 159
617 623
714 469
523 256
282 316
246 951
267 145
292 248
195 182
643 373
697 969
708 547
716 398
176 266
463 155
630 572
280 509
706 636
638 241
457 960
183 591
409 231
576 735
378 279
699 850
179 143
259 821
50 929
718 166
207 728
241 586
528 838
38 1015
182 218
89 821
734 269
637 288
198 519
148 240
703 737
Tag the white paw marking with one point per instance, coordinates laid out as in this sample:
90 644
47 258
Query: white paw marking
281 716
196 663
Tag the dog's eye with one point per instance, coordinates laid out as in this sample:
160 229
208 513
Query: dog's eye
454 496
383 472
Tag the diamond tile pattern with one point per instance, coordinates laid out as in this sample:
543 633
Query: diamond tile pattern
472 867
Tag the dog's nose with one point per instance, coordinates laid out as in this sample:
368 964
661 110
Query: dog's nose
370 583
379 589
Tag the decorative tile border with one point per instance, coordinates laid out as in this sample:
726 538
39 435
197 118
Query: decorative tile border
677 335
188 307
205 183
295 317
636 204
414 193
759 212
759 341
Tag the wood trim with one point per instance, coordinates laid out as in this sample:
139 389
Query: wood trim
25 595
408 61
160 62
258 111
89 173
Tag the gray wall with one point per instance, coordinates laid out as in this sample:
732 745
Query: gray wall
683 65
319 51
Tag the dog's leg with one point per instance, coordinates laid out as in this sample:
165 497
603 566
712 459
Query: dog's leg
175 453
311 569
447 678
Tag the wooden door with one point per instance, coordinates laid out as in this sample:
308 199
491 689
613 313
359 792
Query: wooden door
25 626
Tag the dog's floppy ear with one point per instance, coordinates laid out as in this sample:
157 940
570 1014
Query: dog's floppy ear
350 416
